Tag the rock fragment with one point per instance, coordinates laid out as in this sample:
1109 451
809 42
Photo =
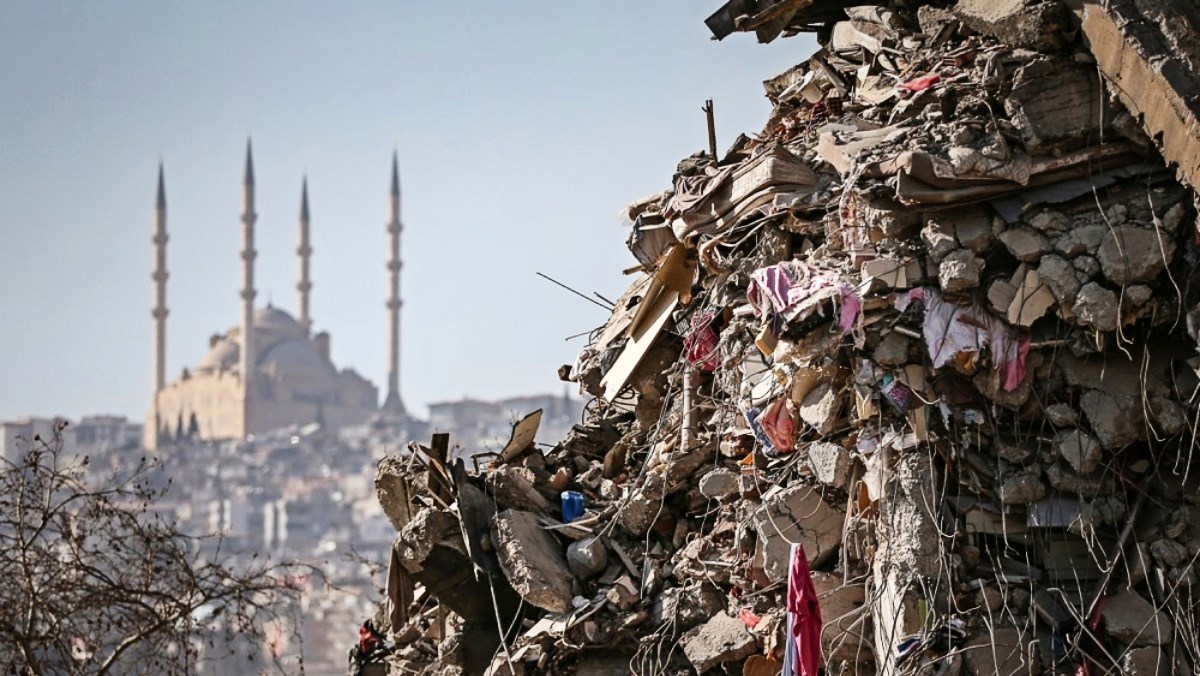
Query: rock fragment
532 560
720 640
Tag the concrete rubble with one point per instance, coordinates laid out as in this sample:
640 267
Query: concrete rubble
937 322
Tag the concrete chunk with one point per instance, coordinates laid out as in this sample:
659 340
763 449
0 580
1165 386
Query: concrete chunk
1025 243
514 487
587 558
1079 449
1129 254
1148 661
830 463
722 639
795 514
846 635
532 560
1116 421
1036 26
1133 620
719 483
1096 307
821 408
959 271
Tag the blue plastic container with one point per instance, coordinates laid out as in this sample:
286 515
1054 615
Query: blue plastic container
572 506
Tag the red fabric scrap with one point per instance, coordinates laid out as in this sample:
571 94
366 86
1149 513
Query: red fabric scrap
920 84
748 618
802 602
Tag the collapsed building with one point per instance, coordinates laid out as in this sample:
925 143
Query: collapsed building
905 384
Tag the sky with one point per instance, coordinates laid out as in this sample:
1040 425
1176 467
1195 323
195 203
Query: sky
522 128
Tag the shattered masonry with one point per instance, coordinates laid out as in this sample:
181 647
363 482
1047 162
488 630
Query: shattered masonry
936 324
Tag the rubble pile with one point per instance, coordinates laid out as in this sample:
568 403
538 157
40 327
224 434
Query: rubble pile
911 375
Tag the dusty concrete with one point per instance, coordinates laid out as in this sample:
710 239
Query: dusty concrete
821 408
1129 254
830 463
959 271
1134 621
846 635
1096 307
1025 243
587 557
532 560
720 640
719 484
795 514
1080 450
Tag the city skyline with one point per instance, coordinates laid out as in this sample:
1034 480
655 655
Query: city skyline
512 162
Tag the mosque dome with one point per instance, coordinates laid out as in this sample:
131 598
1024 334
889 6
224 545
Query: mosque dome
296 359
273 326
223 355
272 318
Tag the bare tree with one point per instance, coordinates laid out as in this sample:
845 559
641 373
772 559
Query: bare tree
93 581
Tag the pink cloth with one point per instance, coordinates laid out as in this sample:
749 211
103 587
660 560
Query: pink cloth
950 329
794 291
700 346
805 611
779 426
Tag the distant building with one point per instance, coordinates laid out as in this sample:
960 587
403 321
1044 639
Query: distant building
103 433
17 436
270 371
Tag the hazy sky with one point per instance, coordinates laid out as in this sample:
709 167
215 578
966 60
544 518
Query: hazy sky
522 128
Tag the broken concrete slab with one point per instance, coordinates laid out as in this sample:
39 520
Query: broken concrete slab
1025 243
892 349
796 514
688 606
830 463
720 640
1130 254
822 408
1147 661
959 271
1114 420
1056 108
1134 621
1036 25
1136 55
1096 307
514 486
1081 451
532 560
1022 489
720 484
846 634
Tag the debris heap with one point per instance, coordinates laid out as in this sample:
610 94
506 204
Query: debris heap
927 343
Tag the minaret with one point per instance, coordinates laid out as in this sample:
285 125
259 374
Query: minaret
305 252
160 302
248 356
392 405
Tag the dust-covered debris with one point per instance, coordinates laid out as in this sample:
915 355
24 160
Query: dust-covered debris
912 371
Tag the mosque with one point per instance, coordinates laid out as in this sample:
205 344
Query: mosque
270 371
